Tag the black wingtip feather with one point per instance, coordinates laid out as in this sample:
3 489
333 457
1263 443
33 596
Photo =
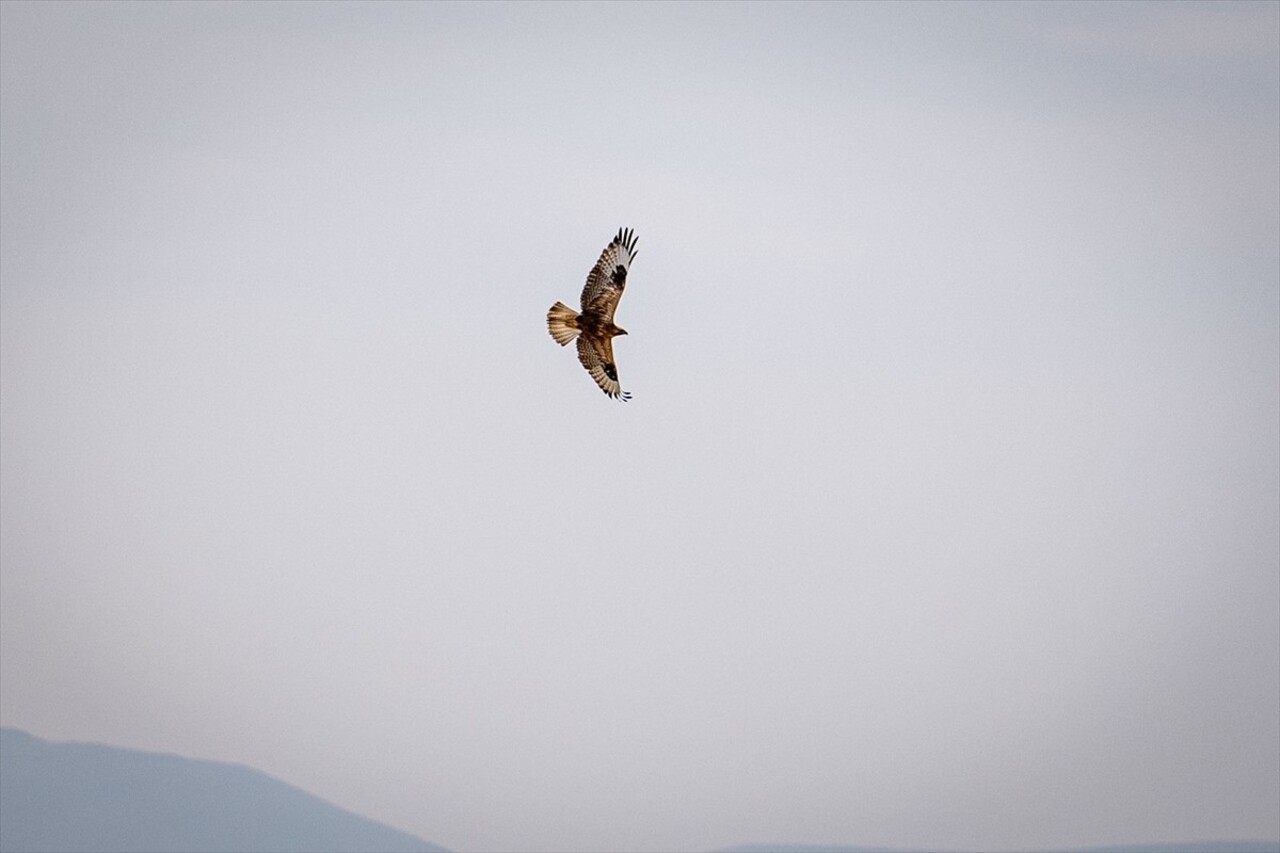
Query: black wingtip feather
627 239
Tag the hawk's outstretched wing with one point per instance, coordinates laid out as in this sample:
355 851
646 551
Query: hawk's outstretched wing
608 277
596 355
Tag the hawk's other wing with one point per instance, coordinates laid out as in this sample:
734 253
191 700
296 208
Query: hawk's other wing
596 355
608 277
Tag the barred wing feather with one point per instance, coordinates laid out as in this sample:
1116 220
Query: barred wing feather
608 278
596 355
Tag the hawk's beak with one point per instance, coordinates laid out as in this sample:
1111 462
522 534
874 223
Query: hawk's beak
622 331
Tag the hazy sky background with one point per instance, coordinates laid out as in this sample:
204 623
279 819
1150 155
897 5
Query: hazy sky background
945 513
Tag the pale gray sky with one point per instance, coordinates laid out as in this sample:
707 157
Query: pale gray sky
945 513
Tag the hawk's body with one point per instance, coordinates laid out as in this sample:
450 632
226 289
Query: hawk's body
593 325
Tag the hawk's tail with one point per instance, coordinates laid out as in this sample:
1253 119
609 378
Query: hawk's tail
562 322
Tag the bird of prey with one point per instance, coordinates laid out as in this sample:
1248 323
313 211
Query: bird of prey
593 326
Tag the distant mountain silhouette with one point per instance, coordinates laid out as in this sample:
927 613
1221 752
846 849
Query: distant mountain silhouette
86 797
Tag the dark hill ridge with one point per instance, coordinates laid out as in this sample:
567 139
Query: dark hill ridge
87 797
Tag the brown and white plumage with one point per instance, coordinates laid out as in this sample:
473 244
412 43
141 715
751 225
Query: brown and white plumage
593 326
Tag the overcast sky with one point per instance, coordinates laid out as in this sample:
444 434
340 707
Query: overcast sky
946 510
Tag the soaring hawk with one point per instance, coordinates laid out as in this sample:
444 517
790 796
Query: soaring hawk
594 327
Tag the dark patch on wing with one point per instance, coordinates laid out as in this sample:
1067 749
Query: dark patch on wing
620 275
610 371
